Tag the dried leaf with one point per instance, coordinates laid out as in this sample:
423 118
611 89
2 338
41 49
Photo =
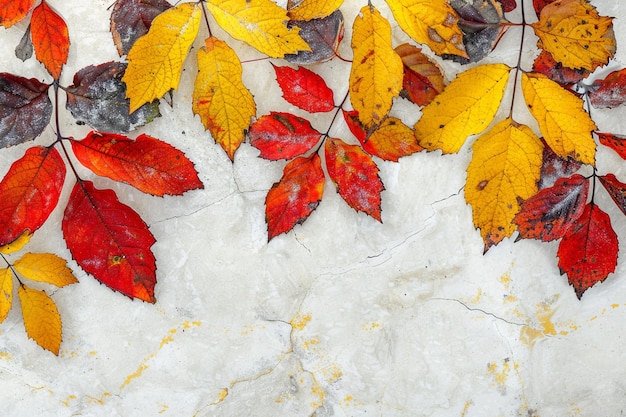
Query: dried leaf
376 73
322 35
466 107
482 24
616 189
613 141
156 59
220 98
312 9
555 167
423 79
305 89
13 11
41 318
391 140
110 241
131 19
45 267
24 50
6 292
50 37
609 92
282 136
545 64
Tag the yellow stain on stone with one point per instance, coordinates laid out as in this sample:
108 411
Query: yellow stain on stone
371 326
510 298
614 305
5 355
93 353
299 321
499 374
478 296
309 343
319 392
332 373
100 400
506 280
68 400
164 408
189 324
466 408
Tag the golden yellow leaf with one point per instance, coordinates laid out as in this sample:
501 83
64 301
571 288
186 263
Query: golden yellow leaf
505 167
45 267
41 318
431 22
313 9
391 140
6 292
465 107
220 98
262 24
575 34
376 73
564 124
156 59
17 244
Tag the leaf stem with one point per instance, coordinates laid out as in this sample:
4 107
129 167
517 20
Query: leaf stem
518 66
325 135
206 18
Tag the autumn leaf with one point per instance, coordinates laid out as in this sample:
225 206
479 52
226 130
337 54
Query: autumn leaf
259 23
588 253
24 49
609 92
555 167
466 107
50 38
430 22
391 140
565 125
292 200
41 318
282 136
423 79
220 98
545 64
304 89
6 292
508 5
354 124
355 175
146 163
17 244
482 25
549 214
25 109
538 5
12 11
45 267
505 168
575 34
313 9
156 60
613 141
30 191
616 189
376 73
131 19
110 241
322 35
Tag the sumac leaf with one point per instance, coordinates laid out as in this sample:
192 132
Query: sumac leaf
110 241
50 37
282 136
146 163
131 19
30 191
355 175
98 98
549 214
609 92
25 109
588 252
616 189
292 200
305 89
322 35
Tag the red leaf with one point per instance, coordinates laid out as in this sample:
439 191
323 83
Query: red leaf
25 109
508 5
322 35
588 252
131 19
282 136
12 11
609 92
391 140
549 214
355 175
110 241
305 89
540 4
615 142
616 189
30 191
146 163
354 124
292 200
555 166
50 38
545 64
423 79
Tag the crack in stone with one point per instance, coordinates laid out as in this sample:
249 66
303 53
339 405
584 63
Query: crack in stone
481 311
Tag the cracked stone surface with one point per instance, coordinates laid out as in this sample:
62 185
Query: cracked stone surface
341 317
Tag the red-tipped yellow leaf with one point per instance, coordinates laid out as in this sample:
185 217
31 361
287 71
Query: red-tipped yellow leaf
50 38
45 267
110 241
41 318
282 136
292 200
30 191
305 89
146 163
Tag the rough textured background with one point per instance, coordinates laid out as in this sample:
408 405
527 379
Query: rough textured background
341 317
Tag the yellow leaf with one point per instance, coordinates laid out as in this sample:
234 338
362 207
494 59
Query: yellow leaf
220 98
564 124
575 34
6 292
313 9
45 267
505 167
17 244
465 107
156 59
260 23
431 22
376 73
41 318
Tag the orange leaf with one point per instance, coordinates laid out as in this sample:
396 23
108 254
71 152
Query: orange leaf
51 39
355 175
292 200
423 79
30 191
12 11
146 163
110 241
41 318
391 140
282 136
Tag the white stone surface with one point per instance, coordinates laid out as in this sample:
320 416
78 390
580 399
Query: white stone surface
341 317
